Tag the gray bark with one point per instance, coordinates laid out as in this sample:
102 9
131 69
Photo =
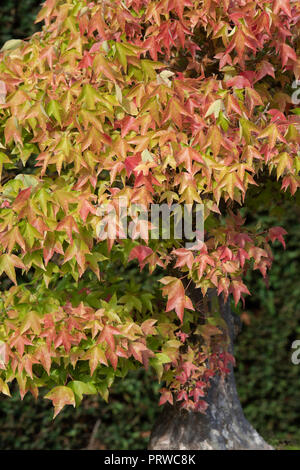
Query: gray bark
223 427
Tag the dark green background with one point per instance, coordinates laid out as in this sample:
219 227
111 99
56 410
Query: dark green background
268 383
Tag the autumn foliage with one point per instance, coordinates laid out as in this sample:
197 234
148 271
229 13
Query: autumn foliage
152 101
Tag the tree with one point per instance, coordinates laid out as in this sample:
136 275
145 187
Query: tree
112 108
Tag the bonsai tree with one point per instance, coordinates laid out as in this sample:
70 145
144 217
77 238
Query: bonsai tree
112 109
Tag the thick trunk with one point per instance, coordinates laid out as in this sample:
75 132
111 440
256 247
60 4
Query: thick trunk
223 427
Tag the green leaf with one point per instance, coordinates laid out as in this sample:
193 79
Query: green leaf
54 109
4 388
215 108
82 388
27 180
162 358
147 156
11 44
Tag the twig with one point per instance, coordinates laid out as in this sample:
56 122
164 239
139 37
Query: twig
92 441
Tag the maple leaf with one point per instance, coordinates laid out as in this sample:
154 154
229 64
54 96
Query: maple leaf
203 261
140 252
12 237
64 338
69 225
177 300
282 5
4 388
107 335
43 355
21 199
112 357
187 155
182 336
184 258
287 53
239 82
96 356
188 368
82 388
148 327
12 131
61 396
277 233
31 321
138 350
263 69
201 406
8 263
238 288
209 330
166 396
19 342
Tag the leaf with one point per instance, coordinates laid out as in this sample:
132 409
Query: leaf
96 356
284 161
187 155
11 44
82 388
61 396
184 258
32 321
27 180
140 252
3 159
215 109
147 156
287 53
148 327
166 396
119 93
238 288
69 225
54 109
162 358
122 52
8 264
12 131
277 233
31 234
131 301
177 300
283 5
4 388
107 335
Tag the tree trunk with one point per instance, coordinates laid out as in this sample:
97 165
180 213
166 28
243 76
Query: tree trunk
223 427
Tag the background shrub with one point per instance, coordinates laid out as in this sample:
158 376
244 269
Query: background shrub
17 19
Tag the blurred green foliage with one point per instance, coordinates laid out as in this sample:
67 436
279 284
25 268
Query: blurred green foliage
268 382
17 19
124 423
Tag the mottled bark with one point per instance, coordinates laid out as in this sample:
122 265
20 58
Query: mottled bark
223 427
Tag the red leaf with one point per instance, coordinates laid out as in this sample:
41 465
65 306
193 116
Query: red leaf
238 288
277 233
140 252
283 5
177 300
107 335
166 396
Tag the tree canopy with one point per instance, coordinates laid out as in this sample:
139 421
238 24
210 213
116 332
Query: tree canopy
147 102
